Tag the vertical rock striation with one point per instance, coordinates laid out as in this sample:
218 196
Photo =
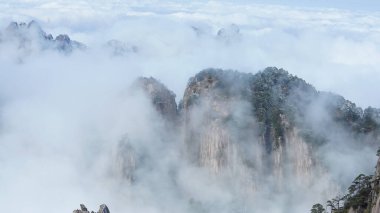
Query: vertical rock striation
263 120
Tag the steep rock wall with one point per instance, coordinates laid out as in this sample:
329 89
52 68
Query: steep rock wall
223 132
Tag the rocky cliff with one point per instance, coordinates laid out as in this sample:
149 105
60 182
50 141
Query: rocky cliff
127 158
261 122
255 129
252 125
161 97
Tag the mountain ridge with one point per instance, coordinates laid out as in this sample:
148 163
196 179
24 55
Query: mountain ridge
222 108
27 35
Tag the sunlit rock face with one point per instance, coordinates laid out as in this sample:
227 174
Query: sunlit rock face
224 126
217 120
293 159
208 110
260 123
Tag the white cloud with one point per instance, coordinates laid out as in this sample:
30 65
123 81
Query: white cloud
73 106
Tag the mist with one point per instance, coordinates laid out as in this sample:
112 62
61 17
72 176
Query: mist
67 119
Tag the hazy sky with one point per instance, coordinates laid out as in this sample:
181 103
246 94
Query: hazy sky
369 5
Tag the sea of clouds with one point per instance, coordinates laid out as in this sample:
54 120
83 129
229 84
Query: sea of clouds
335 50
62 115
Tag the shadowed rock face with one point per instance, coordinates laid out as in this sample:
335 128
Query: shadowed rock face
162 98
126 158
31 36
64 43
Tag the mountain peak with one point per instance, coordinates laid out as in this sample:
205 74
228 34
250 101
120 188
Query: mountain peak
26 35
161 97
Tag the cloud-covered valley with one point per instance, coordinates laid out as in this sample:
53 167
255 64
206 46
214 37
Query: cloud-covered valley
65 115
311 43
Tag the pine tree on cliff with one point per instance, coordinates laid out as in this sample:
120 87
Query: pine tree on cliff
317 208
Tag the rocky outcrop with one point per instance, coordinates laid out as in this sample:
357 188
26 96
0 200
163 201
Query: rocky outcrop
30 37
82 209
215 100
206 108
161 97
127 157
253 129
102 209
64 43
261 120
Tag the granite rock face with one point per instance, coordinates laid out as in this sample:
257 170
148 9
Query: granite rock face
260 125
230 127
249 128
161 97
